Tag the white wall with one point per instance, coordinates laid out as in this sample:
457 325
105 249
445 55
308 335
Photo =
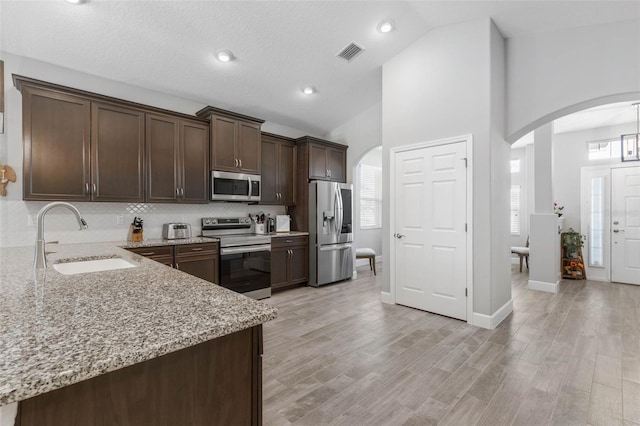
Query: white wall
548 72
450 83
101 217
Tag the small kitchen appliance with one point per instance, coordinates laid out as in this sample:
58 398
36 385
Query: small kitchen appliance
245 257
176 231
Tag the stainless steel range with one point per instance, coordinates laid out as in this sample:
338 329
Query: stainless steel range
245 258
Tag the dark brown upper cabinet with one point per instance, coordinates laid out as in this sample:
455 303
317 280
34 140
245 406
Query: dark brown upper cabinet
77 149
278 170
235 140
177 153
117 153
56 136
82 146
325 160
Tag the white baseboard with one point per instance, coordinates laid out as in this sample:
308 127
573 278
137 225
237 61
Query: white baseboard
385 297
543 286
492 321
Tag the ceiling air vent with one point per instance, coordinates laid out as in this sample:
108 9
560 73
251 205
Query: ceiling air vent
350 52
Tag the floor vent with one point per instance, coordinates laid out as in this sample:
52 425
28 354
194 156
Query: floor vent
350 52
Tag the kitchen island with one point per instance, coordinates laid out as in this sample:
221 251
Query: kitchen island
142 345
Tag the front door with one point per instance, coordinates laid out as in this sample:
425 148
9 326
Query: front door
625 225
430 238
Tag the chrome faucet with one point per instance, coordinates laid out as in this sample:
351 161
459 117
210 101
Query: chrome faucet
40 260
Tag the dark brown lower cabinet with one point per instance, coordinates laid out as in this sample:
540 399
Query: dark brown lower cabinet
162 254
200 260
218 382
289 261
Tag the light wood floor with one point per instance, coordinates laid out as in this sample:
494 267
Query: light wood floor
336 355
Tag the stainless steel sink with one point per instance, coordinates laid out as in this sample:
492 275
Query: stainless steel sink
92 265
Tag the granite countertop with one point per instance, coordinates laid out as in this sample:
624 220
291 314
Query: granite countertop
289 234
162 242
56 330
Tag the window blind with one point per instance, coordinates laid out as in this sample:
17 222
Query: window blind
370 197
515 210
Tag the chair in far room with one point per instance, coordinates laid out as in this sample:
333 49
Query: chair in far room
367 253
523 253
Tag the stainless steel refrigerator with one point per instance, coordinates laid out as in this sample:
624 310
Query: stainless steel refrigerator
330 232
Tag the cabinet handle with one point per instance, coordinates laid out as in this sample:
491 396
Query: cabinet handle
329 173
95 188
235 162
240 161
177 192
289 241
149 253
86 188
182 192
197 249
177 266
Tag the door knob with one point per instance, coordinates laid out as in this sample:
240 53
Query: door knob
618 230
616 222
398 235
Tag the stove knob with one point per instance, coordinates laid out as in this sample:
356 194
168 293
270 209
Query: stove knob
207 221
214 221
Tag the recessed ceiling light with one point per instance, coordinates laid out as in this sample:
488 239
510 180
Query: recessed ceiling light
309 90
75 1
386 26
225 56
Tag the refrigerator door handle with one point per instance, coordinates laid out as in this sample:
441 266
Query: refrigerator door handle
338 213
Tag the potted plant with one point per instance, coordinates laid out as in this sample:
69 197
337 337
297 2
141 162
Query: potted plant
557 208
572 241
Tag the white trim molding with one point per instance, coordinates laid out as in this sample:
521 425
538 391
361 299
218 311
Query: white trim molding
492 321
386 297
543 286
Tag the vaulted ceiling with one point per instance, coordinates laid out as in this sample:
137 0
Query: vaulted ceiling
280 46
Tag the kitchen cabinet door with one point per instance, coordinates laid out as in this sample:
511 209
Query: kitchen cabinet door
287 173
336 164
223 144
117 151
194 148
248 148
279 267
199 266
317 162
56 136
299 264
270 172
162 140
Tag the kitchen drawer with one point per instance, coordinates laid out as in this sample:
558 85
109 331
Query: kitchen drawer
288 241
155 251
196 249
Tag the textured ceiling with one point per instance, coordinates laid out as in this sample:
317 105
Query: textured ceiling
280 46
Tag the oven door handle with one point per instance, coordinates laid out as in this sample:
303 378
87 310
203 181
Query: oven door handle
249 249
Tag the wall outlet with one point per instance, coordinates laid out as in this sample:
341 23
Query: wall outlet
120 219
31 220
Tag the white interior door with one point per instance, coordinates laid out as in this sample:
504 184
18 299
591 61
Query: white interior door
625 225
430 239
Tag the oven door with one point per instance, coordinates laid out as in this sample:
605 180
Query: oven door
247 270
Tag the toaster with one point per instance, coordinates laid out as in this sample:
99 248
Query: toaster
174 231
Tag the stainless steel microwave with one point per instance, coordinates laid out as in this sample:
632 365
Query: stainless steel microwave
227 186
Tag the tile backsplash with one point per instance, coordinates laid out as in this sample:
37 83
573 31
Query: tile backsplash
61 225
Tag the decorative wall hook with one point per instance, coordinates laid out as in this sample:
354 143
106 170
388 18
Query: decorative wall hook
6 175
